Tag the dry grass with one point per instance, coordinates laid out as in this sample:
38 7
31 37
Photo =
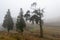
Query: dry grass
50 33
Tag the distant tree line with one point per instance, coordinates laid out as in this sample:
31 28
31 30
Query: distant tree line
20 24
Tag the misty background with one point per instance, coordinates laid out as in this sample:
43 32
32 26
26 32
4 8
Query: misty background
51 14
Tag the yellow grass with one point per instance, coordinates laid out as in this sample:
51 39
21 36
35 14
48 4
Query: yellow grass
50 33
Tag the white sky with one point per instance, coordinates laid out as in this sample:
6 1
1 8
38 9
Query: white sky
52 7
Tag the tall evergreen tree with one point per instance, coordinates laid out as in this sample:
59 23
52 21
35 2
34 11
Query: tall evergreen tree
20 25
8 21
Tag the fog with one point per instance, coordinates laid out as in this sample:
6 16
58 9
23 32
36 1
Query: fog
52 8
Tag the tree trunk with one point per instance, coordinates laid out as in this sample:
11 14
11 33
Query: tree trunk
8 30
41 29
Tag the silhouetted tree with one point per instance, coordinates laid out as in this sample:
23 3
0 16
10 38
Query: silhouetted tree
8 21
37 17
27 15
20 25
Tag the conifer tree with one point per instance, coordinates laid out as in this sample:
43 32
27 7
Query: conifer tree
20 25
8 21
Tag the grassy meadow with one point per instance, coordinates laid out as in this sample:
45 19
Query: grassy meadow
32 33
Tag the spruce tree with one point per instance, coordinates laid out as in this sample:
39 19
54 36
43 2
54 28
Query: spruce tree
20 25
8 21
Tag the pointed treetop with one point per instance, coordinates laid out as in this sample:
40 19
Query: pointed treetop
21 12
8 12
8 9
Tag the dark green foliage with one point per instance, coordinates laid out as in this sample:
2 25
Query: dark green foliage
34 3
27 15
8 22
37 17
20 25
34 18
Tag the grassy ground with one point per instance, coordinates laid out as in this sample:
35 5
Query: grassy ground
50 33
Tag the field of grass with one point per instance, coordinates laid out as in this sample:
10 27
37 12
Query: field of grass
50 33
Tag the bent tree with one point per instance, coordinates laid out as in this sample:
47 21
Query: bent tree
37 17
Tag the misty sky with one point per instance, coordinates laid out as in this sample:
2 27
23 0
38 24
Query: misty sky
52 7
